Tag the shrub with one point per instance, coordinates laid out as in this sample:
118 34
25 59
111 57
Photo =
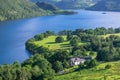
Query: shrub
59 39
108 66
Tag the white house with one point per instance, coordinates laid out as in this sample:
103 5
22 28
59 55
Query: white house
76 61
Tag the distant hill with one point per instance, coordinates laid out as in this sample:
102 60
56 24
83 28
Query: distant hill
75 4
15 9
47 6
106 5
70 4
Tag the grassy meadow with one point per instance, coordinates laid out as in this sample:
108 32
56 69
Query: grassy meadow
52 45
96 73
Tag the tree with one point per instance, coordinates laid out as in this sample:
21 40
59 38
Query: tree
39 37
42 50
92 63
64 32
58 66
74 42
80 53
48 33
81 66
59 39
60 55
41 68
69 35
110 31
66 64
108 54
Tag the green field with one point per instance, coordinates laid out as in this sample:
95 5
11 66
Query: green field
97 73
107 35
50 43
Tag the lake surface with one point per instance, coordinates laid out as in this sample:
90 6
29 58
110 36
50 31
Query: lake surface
14 34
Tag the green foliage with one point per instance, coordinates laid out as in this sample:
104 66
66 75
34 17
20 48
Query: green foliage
62 57
108 66
96 73
107 50
88 64
42 49
59 39
92 63
41 67
16 9
97 42
14 72
43 64
39 37
75 41
58 66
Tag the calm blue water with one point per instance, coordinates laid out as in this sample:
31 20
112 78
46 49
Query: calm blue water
14 34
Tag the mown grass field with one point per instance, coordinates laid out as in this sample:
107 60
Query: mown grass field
52 45
97 73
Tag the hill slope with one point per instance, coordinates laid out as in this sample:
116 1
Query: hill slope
70 4
107 5
75 4
47 6
96 73
15 9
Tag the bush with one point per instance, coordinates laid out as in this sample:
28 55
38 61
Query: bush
59 39
108 66
92 63
39 37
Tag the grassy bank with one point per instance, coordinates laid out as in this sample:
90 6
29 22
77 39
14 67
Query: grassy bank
52 45
97 73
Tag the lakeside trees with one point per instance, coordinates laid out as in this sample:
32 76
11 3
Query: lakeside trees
44 64
96 40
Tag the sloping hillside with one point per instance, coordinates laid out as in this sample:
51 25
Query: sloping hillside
97 73
75 4
70 4
107 5
15 9
47 6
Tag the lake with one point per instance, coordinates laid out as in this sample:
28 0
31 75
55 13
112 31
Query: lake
14 33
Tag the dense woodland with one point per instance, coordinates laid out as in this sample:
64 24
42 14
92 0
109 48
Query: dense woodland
45 64
15 9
